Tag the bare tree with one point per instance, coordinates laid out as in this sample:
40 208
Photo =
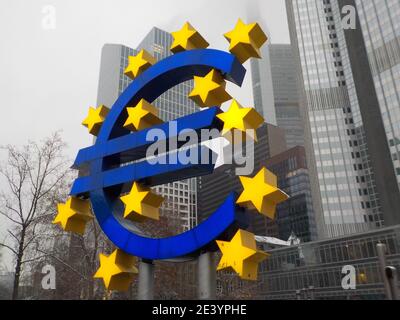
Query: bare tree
167 275
231 287
75 259
36 178
83 255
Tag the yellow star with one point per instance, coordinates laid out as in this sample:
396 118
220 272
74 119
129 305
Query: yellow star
117 270
246 40
74 215
139 64
141 117
241 255
240 119
187 39
95 119
209 91
141 203
261 193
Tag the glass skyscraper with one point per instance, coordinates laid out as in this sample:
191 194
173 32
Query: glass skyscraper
180 197
296 215
344 158
263 90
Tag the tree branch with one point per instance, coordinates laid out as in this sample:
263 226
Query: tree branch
9 248
9 218
13 235
65 264
33 259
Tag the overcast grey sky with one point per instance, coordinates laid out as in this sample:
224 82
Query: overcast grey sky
48 78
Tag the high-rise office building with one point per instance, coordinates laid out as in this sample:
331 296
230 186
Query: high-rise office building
180 197
275 91
263 90
352 177
286 96
380 26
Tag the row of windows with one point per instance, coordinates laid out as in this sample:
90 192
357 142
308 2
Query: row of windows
310 254
366 274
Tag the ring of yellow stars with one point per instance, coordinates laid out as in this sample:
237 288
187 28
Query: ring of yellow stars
261 193
188 38
142 116
210 91
141 203
239 119
139 64
73 215
95 119
246 40
117 270
241 255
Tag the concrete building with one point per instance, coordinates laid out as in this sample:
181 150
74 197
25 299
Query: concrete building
180 197
347 150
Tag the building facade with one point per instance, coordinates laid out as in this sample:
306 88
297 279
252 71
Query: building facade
296 215
213 189
314 270
344 149
180 197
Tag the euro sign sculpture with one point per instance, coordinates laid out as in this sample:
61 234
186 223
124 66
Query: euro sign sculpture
117 161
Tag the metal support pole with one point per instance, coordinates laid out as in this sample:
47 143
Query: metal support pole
311 292
391 275
146 280
206 271
303 294
381 249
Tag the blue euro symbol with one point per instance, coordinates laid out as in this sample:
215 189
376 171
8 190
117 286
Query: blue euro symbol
114 162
